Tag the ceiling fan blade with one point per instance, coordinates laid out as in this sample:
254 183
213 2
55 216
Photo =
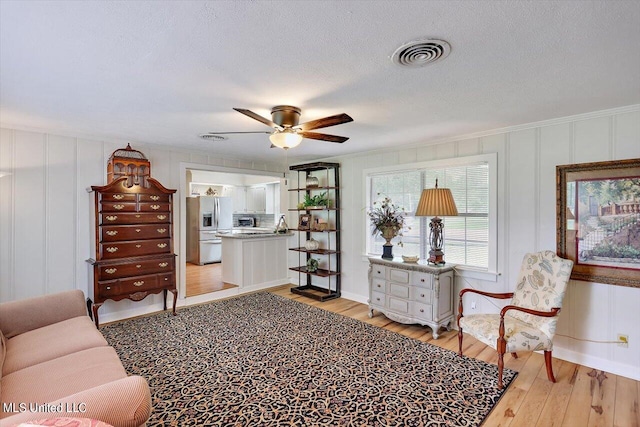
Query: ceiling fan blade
338 119
258 117
230 133
323 136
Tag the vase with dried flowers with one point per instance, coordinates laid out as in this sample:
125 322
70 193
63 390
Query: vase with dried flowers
387 220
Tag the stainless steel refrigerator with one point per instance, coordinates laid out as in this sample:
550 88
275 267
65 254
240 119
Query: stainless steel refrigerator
206 215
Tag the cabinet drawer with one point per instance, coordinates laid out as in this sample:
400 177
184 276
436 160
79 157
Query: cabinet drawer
134 218
398 305
377 298
162 198
378 285
118 233
424 280
134 248
377 271
118 207
128 286
423 311
400 276
135 268
398 290
422 295
154 207
118 197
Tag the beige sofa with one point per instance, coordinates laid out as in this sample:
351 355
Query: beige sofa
53 356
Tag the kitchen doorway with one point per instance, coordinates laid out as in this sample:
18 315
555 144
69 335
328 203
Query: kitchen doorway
253 201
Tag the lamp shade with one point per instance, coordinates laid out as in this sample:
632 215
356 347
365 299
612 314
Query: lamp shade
285 139
436 202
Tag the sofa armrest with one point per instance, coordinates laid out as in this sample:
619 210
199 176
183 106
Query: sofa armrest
122 403
17 317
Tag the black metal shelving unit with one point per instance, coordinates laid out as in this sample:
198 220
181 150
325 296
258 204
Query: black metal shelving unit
329 274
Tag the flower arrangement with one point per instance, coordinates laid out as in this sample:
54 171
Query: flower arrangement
387 219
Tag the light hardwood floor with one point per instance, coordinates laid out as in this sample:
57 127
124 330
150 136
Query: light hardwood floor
581 397
202 279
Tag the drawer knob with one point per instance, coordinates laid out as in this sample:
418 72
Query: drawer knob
166 278
138 246
111 217
112 233
112 249
110 270
422 280
378 271
118 207
118 196
137 216
422 310
138 283
162 217
138 230
161 230
155 198
163 264
162 245
138 265
108 288
377 299
155 207
379 285
421 295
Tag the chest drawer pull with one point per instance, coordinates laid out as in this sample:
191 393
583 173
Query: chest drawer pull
112 249
118 207
377 299
112 233
118 196
162 230
422 280
110 270
379 285
111 217
137 216
163 264
162 245
422 310
162 217
108 288
166 278
138 246
155 207
138 283
138 266
421 295
138 230
154 198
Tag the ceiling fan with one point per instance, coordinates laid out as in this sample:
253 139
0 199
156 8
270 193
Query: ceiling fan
288 133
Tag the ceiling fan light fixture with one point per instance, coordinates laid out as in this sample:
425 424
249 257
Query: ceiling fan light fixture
288 138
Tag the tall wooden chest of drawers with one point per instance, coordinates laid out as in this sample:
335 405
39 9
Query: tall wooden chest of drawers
133 243
412 292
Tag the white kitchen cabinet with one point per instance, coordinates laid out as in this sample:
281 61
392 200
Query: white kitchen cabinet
238 195
256 199
412 292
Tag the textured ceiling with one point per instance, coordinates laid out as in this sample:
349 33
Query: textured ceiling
164 72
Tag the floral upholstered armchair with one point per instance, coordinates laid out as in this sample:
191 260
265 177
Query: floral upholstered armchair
528 323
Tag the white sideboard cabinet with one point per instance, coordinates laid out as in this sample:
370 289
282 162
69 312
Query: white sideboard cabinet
412 292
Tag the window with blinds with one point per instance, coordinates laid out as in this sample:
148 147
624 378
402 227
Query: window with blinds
467 236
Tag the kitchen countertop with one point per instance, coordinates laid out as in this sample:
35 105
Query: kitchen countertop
252 233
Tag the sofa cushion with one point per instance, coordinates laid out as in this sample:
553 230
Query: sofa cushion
66 375
50 342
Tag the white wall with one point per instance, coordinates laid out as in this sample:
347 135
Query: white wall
527 158
45 210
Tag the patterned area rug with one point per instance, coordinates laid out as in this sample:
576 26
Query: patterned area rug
264 360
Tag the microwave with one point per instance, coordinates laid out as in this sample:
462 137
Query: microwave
246 221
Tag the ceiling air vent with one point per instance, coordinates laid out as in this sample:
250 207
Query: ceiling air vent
419 53
213 137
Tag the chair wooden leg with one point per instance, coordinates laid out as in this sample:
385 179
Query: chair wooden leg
514 355
547 362
459 340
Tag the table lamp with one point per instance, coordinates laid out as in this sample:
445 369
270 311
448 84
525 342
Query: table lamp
436 202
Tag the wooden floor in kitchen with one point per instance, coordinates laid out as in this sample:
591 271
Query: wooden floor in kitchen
581 397
202 279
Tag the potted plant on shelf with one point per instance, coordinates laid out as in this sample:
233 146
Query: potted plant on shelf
387 220
318 201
